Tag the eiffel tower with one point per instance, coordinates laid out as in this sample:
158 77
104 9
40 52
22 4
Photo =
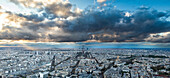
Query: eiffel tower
53 64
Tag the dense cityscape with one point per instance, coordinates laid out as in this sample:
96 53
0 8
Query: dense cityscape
84 63
84 38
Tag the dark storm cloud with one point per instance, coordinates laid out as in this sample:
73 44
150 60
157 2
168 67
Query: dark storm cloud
120 28
106 25
163 40
36 26
12 33
33 17
96 21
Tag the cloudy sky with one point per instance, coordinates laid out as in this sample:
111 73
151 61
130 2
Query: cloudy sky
146 21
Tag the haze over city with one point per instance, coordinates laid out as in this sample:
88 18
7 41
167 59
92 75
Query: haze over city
43 21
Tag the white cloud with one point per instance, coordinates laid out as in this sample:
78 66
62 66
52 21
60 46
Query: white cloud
101 1
127 14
